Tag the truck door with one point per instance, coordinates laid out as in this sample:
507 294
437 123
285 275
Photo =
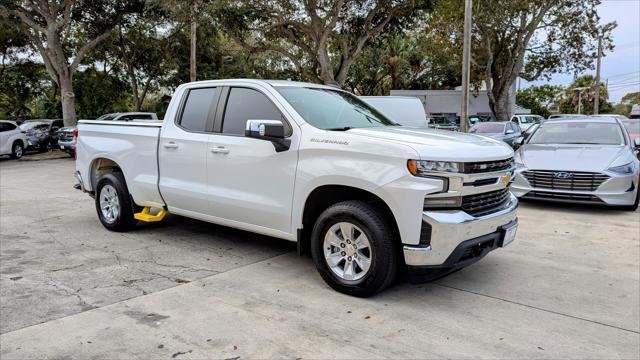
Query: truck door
249 182
183 150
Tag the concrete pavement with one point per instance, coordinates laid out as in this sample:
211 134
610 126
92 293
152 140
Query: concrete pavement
569 287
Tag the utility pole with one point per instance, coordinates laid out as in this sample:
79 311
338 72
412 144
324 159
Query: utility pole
194 25
466 63
596 96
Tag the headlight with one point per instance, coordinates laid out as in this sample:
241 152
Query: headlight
427 167
622 169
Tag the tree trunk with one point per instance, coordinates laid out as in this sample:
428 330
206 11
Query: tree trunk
68 100
501 106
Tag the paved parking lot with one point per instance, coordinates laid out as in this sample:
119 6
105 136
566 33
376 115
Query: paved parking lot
569 287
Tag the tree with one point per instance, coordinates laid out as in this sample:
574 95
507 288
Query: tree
631 98
579 97
539 98
64 32
321 38
522 38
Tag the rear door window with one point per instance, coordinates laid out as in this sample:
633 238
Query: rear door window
199 109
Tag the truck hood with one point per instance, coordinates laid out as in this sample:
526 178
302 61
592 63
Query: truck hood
590 158
443 145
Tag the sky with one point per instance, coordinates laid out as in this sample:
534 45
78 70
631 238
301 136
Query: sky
622 66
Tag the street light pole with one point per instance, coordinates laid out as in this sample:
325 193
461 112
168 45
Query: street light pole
596 96
466 63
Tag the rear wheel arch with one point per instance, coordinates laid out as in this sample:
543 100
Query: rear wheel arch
100 166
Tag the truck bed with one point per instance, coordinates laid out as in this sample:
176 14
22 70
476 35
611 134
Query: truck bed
132 144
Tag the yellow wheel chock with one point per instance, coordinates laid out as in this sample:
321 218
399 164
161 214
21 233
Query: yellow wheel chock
146 215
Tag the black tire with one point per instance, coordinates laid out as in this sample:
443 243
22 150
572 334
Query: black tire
45 147
383 256
17 150
124 220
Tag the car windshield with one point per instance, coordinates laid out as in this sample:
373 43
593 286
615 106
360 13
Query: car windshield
581 132
34 125
487 128
107 117
333 110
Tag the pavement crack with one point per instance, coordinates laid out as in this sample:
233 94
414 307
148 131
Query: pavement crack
539 308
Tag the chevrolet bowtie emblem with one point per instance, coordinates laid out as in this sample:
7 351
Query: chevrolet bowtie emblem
505 179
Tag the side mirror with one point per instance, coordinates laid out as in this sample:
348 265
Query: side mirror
509 131
636 142
270 130
518 142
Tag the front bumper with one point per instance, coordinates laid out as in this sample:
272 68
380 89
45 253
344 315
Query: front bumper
618 190
450 229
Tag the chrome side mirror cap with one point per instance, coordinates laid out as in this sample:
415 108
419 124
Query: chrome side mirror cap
509 132
270 130
636 142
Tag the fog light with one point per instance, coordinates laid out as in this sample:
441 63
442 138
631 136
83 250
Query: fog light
443 202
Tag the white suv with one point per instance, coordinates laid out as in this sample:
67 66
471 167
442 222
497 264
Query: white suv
12 140
525 121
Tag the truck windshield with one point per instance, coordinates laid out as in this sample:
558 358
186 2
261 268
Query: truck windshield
333 110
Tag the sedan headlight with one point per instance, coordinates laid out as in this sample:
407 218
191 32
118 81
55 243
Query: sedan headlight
622 169
428 167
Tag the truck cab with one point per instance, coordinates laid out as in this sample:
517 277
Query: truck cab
312 164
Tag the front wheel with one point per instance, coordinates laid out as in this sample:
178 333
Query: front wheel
353 249
17 150
113 203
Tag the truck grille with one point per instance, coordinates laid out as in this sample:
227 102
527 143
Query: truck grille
562 180
485 203
487 166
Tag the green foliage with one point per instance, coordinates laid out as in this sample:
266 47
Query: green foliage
579 97
539 98
98 92
20 85
631 98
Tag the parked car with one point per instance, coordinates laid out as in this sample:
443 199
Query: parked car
128 116
579 160
67 139
525 121
506 131
42 135
635 112
12 140
633 128
441 123
312 164
405 110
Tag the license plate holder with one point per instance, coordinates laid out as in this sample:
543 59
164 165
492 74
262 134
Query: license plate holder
509 234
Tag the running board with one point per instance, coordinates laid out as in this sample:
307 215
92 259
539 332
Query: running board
146 215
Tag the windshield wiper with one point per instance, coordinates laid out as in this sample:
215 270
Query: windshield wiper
344 128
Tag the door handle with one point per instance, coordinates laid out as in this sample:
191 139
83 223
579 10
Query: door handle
220 150
171 145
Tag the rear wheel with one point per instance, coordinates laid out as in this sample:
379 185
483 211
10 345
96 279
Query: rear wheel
113 203
353 249
17 150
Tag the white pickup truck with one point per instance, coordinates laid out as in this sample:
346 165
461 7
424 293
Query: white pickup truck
312 164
